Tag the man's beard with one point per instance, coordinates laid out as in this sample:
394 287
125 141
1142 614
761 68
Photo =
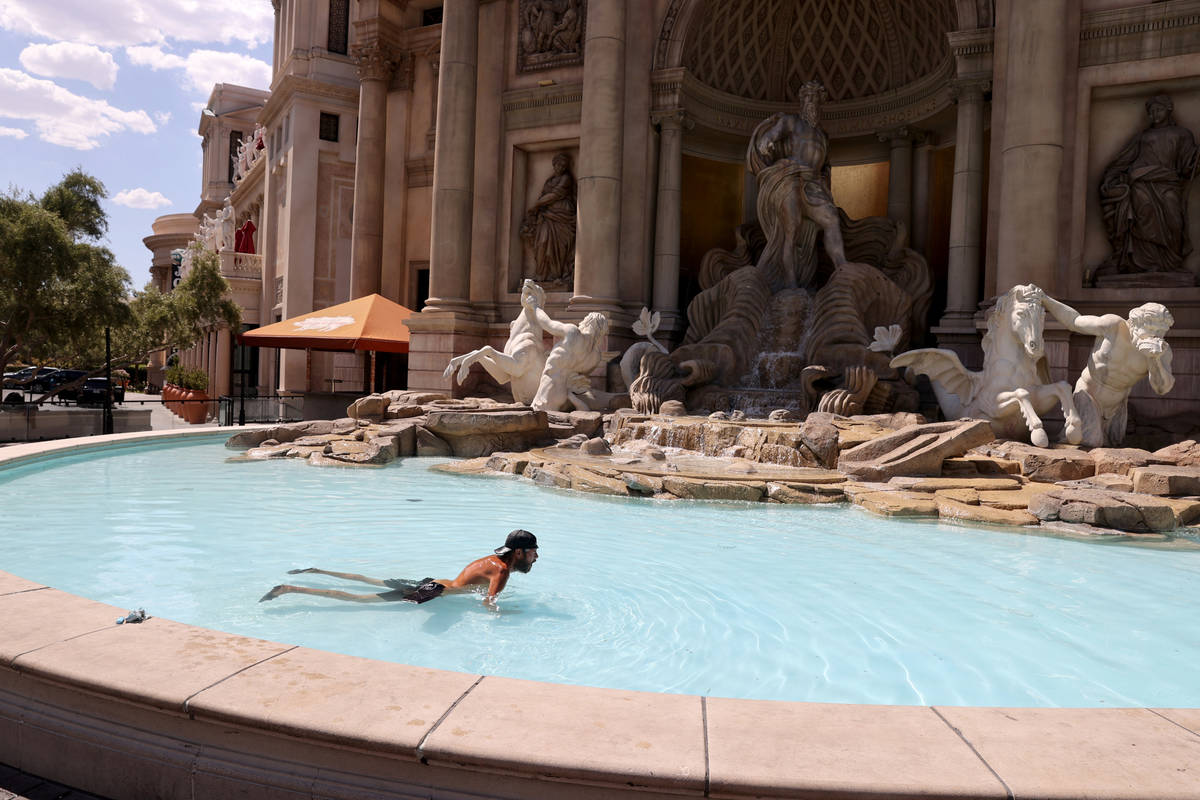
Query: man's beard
1145 342
523 566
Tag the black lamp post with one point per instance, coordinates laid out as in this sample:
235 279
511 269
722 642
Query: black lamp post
108 410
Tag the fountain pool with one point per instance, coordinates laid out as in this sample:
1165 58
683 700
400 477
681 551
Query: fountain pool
746 601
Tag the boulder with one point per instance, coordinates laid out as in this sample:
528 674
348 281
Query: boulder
595 447
807 493
1047 464
897 504
344 425
469 466
358 452
1014 499
306 450
1166 480
914 450
587 422
572 442
643 448
405 433
274 451
691 489
551 475
1182 454
642 484
895 421
508 463
396 411
430 444
950 509
936 484
821 439
245 439
1105 509
783 415
584 480
391 444
413 397
478 433
322 440
673 408
1119 460
968 497
322 460
372 407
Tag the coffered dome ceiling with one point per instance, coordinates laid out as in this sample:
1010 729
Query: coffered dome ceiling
766 49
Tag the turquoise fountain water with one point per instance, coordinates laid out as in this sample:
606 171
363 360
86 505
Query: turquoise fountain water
755 600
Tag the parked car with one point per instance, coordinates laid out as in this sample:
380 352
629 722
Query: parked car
93 390
16 380
47 383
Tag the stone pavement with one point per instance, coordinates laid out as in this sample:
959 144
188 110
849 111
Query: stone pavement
17 785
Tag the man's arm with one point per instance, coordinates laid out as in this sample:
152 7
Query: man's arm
495 585
557 329
1079 323
1161 379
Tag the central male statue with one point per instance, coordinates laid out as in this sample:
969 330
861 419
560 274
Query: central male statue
789 154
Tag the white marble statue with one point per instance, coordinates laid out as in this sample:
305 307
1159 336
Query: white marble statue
577 352
207 236
1014 386
1124 352
224 228
645 325
524 356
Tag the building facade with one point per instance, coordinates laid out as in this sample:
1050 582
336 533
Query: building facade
440 153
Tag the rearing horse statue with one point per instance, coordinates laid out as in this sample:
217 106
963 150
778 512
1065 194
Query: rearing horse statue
1014 387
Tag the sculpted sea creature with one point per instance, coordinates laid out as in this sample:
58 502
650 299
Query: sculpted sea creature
1014 386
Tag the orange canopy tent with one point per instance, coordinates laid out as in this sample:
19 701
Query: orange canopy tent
371 323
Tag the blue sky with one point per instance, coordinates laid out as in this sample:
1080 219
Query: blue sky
116 87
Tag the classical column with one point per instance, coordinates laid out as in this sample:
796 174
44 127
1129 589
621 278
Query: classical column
601 123
668 216
899 207
922 157
1032 149
966 210
454 159
375 65
224 363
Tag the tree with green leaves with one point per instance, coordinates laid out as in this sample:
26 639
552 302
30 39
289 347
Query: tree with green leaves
60 289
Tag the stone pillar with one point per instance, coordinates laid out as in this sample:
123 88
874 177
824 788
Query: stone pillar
922 159
224 364
668 217
601 123
1032 149
454 159
899 207
375 65
966 210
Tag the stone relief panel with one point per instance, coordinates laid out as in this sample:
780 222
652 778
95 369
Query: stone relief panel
1140 223
550 33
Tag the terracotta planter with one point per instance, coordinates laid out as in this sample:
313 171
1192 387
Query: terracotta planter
197 410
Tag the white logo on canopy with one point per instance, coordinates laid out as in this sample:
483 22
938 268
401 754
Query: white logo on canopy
323 324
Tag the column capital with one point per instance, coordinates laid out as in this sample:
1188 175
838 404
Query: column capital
675 118
374 61
902 135
970 90
402 75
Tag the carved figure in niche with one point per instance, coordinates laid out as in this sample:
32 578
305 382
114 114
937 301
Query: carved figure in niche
1124 352
1014 386
565 381
1143 198
549 227
524 356
789 154
565 36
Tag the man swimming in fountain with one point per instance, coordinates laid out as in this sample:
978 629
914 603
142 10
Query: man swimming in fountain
518 553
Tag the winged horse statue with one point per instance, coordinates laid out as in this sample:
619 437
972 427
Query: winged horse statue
1014 386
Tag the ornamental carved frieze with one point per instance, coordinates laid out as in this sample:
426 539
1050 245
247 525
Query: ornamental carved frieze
550 34
374 61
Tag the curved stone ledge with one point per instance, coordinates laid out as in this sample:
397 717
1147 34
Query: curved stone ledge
163 709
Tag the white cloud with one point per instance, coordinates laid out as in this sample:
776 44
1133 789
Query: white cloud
203 68
82 62
162 117
119 23
15 133
141 198
62 117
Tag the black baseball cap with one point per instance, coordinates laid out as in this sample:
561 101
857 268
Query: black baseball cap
518 540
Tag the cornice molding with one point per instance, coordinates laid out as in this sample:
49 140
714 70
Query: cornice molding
1156 30
528 108
291 86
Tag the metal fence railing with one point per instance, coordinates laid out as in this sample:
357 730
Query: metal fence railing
262 408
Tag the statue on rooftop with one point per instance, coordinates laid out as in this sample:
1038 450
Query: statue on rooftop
1143 198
